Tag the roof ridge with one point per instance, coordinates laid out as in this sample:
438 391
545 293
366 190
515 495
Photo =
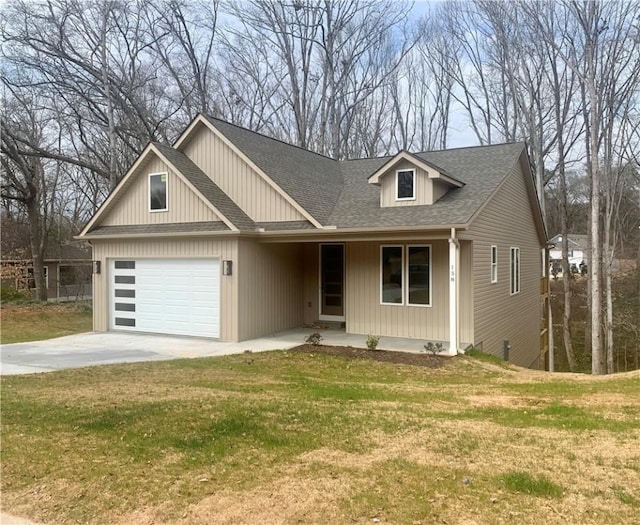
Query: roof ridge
271 138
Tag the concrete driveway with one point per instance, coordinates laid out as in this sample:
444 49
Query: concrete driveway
102 348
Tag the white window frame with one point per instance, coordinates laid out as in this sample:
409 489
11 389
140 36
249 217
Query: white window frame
494 264
166 183
514 270
46 276
406 276
413 173
382 247
543 254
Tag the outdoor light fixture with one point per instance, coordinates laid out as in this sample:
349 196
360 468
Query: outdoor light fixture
227 267
96 267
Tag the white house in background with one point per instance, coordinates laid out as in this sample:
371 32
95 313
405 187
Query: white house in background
577 248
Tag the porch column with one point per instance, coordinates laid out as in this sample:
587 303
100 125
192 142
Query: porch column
453 293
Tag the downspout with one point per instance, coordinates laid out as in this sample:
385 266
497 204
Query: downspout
454 246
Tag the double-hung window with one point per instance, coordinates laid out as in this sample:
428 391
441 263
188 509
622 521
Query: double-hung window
158 192
494 264
405 272
515 270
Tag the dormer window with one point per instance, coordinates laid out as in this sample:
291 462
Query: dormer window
405 185
158 192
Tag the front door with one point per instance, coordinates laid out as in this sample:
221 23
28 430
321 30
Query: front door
332 282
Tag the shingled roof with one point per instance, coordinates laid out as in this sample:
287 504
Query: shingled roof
481 168
312 180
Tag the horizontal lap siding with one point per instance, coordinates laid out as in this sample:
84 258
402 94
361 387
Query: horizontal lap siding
507 221
133 205
465 300
271 287
187 248
366 315
238 180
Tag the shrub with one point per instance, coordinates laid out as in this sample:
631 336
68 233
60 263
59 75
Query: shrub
372 341
314 339
8 294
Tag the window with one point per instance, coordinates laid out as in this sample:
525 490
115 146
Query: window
515 271
408 283
494 264
158 192
392 263
405 185
419 275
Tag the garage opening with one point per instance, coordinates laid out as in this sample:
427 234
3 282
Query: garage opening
165 296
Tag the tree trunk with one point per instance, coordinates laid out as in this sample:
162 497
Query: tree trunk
37 242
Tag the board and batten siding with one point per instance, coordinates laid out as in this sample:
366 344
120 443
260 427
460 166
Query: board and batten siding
507 221
238 180
365 314
423 187
133 205
271 287
226 249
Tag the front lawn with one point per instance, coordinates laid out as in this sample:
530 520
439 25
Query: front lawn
288 437
36 321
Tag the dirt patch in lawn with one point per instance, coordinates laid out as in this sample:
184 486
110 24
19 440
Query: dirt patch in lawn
383 356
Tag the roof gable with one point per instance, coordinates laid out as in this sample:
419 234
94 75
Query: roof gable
311 180
433 171
189 174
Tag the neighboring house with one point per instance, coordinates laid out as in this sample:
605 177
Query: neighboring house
233 235
577 248
67 270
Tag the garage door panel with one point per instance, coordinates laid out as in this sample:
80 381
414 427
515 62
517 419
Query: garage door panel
172 296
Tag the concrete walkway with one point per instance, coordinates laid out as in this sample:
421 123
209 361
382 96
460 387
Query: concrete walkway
101 348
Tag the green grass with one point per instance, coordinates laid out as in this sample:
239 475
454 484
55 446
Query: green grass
35 321
525 483
315 438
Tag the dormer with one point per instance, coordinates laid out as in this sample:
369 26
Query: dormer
408 180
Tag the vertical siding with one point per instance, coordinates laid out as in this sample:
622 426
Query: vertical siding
498 315
365 314
245 187
465 285
133 205
423 189
311 269
223 249
270 288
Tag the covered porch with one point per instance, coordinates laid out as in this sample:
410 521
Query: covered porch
412 288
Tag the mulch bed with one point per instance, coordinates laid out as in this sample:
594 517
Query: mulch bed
384 356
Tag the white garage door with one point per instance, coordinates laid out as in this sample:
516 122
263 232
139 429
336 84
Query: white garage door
168 296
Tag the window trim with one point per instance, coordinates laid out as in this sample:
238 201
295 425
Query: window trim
407 247
404 289
382 247
166 191
493 265
413 195
514 270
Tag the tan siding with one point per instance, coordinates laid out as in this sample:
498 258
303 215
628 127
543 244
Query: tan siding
270 288
466 293
133 206
498 315
184 248
439 189
365 314
246 188
423 189
311 269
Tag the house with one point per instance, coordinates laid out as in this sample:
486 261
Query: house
230 234
67 267
577 249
